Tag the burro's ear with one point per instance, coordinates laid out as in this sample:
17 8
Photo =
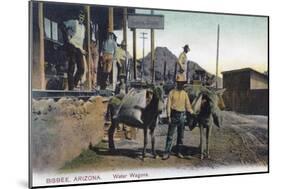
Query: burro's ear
220 91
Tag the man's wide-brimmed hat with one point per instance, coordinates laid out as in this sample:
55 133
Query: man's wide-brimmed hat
186 46
181 78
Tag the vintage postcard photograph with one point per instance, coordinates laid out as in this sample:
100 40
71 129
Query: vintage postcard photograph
122 94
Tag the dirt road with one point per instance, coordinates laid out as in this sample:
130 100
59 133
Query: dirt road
242 140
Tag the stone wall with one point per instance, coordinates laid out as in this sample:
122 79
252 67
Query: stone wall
61 129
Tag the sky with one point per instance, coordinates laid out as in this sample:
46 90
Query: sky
243 39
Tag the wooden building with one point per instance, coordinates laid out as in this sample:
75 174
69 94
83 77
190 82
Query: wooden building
46 37
246 91
244 79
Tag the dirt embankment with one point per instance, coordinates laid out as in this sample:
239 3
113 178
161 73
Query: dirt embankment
61 129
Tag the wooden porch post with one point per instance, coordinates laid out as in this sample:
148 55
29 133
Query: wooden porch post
135 52
41 66
89 60
110 19
125 26
111 29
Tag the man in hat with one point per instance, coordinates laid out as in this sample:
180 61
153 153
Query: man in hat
121 55
121 87
120 92
182 61
177 105
108 54
75 32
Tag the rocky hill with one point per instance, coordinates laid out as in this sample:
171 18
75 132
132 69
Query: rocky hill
162 55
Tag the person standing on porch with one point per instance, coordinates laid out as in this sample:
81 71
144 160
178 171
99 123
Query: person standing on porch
108 54
75 32
95 59
122 56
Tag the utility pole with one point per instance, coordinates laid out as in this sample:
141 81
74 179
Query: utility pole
152 52
217 59
135 52
143 37
164 74
165 65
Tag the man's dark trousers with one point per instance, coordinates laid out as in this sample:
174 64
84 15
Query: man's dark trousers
177 122
75 58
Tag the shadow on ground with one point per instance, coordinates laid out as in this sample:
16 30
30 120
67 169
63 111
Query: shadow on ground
137 153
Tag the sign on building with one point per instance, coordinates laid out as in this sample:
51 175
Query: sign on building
142 21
